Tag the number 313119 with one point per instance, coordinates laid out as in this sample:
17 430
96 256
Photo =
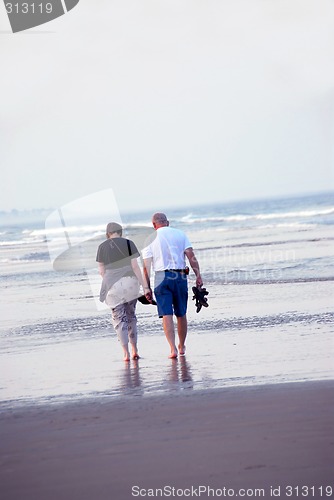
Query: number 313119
28 8
309 491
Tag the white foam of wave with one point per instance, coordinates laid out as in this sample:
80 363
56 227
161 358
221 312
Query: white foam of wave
287 225
137 225
302 213
231 229
189 219
69 229
91 230
24 241
12 243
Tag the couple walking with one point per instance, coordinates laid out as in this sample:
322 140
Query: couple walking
122 278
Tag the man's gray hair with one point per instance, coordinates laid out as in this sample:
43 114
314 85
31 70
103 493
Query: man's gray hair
159 218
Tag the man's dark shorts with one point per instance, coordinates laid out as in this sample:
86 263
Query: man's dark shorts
171 293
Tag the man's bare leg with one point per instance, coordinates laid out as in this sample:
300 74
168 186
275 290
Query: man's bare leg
168 325
182 327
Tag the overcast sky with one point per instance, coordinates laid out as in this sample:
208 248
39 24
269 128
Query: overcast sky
168 102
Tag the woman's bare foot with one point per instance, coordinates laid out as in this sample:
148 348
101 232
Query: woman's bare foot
134 352
126 354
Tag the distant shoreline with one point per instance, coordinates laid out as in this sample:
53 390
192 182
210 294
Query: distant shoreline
28 212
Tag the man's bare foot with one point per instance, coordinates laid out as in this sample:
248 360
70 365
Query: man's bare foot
182 350
173 355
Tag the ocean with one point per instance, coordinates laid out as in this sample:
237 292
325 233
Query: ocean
268 267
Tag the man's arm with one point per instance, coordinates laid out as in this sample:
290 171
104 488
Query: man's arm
147 263
194 265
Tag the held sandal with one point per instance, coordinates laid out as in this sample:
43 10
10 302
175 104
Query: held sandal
200 297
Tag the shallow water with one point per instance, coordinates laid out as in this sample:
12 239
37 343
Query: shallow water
284 333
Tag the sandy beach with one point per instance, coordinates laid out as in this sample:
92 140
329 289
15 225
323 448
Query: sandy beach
244 441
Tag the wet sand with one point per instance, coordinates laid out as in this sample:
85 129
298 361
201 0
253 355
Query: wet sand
255 438
77 365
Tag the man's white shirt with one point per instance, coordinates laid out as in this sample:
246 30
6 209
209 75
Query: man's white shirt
167 249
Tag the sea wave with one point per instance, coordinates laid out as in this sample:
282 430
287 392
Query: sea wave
91 230
68 229
33 256
193 219
11 243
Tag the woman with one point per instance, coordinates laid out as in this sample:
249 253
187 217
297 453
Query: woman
122 277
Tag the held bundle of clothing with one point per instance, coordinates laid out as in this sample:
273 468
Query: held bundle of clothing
143 300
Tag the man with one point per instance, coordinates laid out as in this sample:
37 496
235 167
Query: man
166 254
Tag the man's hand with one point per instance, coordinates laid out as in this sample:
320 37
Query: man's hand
199 281
148 294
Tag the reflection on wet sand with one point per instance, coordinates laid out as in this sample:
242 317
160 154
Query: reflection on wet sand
180 372
130 377
139 380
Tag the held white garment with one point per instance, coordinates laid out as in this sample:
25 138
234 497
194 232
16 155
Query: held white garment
124 290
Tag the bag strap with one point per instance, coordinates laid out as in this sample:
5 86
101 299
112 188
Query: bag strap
128 244
129 247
